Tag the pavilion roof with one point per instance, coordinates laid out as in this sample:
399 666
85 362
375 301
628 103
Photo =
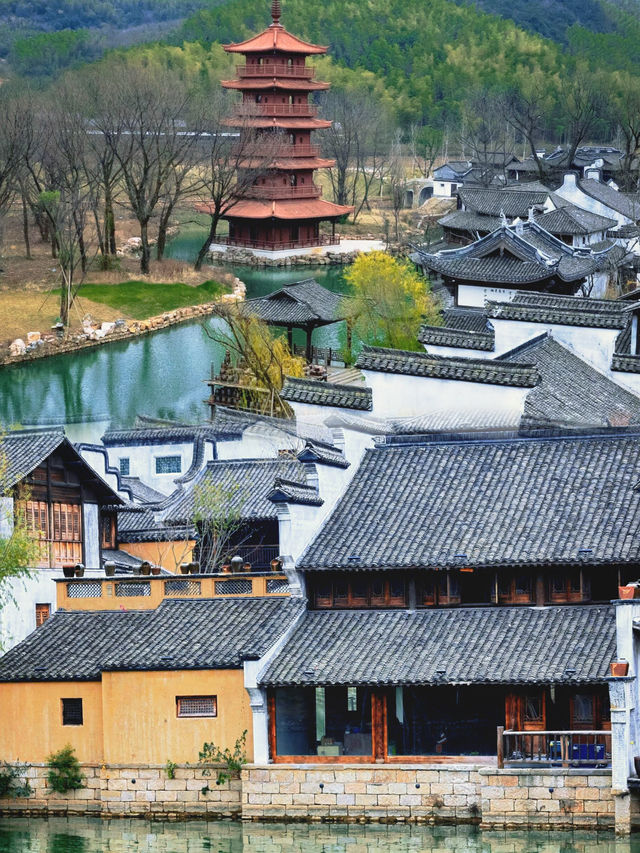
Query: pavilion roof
286 209
300 304
275 38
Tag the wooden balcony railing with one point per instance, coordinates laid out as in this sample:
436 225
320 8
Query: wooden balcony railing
275 70
260 556
309 191
554 749
256 150
322 240
249 108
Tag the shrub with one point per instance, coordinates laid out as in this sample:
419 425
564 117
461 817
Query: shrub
232 759
170 768
64 774
11 783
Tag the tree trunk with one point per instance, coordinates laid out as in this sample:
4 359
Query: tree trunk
109 223
162 234
64 304
145 258
215 220
25 226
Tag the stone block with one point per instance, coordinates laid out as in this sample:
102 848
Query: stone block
442 788
540 793
325 800
587 793
410 799
282 775
303 799
148 774
466 788
187 796
389 800
145 796
599 781
281 800
166 796
501 805
355 788
290 788
397 787
184 773
345 799
175 785
427 776
259 775
366 800
259 799
333 788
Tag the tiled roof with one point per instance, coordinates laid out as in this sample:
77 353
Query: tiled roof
287 208
468 220
285 491
488 645
245 483
273 38
467 329
571 392
573 220
494 269
561 310
161 434
611 198
180 634
240 420
318 393
487 371
322 455
24 450
301 303
140 491
498 502
494 202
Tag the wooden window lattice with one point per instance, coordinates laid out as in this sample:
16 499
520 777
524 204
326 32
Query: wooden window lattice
58 528
234 587
43 611
197 706
131 590
76 589
72 712
182 587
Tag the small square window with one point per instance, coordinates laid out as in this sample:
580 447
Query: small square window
72 712
43 611
197 706
168 464
125 466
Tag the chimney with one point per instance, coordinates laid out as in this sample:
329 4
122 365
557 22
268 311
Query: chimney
530 216
570 181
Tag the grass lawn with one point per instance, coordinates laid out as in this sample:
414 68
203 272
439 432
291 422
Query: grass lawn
140 299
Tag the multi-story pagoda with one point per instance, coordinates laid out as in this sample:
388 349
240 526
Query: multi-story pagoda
283 208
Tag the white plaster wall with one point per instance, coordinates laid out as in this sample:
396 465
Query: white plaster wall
142 462
630 381
6 517
91 522
571 192
259 442
98 461
435 349
474 296
298 527
594 346
397 396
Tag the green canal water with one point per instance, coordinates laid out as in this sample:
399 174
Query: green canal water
160 375
78 835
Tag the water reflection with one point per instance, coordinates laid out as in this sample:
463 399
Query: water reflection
161 375
77 835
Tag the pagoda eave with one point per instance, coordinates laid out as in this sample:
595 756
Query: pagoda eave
261 84
288 163
275 38
277 122
290 209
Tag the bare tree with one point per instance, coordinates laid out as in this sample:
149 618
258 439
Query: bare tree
526 111
626 111
483 134
424 144
142 118
11 149
234 160
358 142
397 180
583 100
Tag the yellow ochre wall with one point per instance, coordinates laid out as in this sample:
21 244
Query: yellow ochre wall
169 555
128 717
31 720
141 725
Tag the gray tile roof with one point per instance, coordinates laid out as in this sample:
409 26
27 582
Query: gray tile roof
625 363
573 220
246 484
485 645
611 198
24 450
493 202
180 634
161 434
140 491
285 491
499 502
571 392
561 310
318 393
468 220
303 302
240 420
323 455
487 371
493 269
463 328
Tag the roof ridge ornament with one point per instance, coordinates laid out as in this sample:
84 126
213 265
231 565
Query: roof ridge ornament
276 12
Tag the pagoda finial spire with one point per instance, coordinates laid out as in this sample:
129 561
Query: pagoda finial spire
276 11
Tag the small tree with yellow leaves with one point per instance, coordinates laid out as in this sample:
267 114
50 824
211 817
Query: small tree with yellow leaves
389 301
262 359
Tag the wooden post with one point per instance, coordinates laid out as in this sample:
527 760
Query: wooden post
500 748
564 741
309 353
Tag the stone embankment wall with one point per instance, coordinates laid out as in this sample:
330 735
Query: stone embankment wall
134 791
434 794
496 799
245 257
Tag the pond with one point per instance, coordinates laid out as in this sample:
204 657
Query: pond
80 835
159 375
